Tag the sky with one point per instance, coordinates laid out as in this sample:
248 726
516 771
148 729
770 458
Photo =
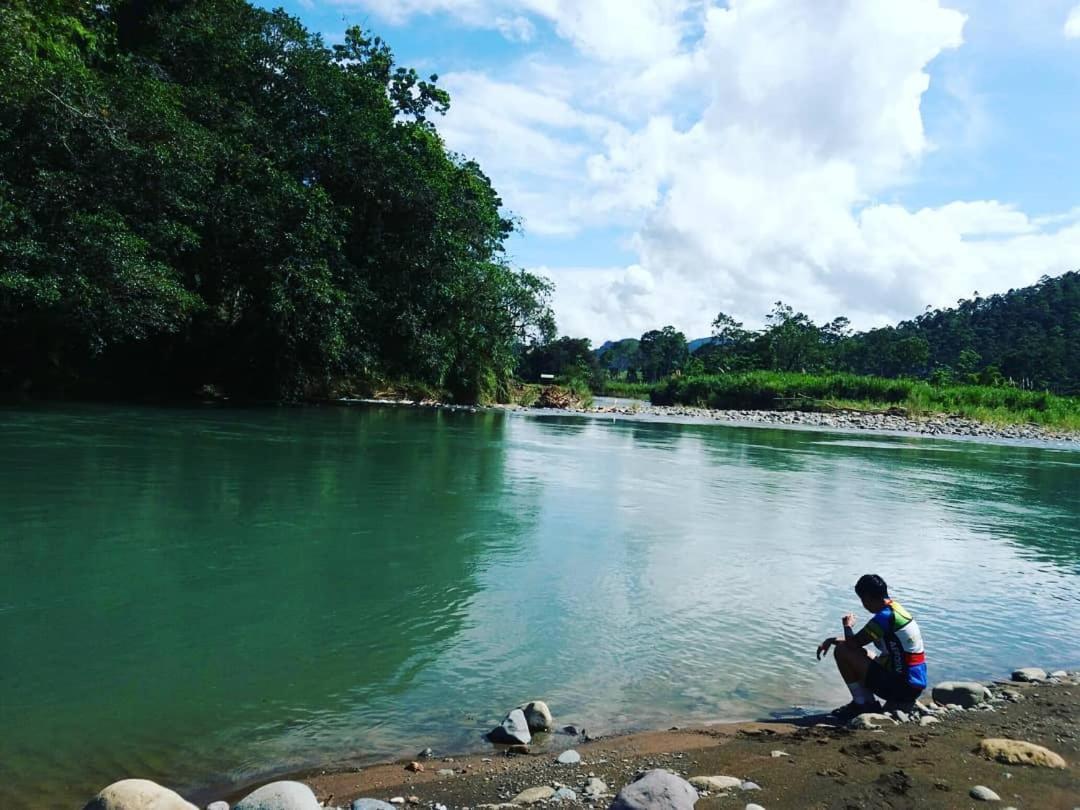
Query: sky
668 160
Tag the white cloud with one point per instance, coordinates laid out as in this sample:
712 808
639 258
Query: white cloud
754 151
1072 23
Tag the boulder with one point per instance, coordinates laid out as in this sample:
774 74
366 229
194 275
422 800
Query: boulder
514 730
961 693
280 796
871 720
138 794
716 783
1018 752
534 795
217 806
537 715
656 790
983 794
371 804
1029 675
570 757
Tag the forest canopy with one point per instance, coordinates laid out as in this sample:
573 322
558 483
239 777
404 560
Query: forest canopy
205 193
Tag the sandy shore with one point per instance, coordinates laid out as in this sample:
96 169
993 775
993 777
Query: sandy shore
797 764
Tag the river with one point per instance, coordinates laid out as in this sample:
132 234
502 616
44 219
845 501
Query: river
206 596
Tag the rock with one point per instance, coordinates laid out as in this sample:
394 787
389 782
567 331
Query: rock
398 801
716 783
1029 675
138 794
901 716
415 767
748 785
280 796
514 730
537 715
570 757
371 804
871 720
534 795
778 754
928 720
1012 695
573 731
564 794
754 807
656 790
965 694
984 794
1060 673
596 788
217 806
1017 752
446 772
427 753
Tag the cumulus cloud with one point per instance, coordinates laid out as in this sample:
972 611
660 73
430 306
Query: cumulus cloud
753 152
1072 23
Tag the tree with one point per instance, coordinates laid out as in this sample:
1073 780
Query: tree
661 353
791 340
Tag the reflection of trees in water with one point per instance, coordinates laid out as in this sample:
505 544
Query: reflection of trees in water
219 568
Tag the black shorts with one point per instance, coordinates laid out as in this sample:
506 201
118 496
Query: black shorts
889 685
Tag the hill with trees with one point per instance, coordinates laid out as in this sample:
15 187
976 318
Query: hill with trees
206 194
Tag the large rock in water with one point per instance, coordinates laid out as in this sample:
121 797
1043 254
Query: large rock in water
656 790
513 730
962 693
280 796
537 715
138 794
1018 752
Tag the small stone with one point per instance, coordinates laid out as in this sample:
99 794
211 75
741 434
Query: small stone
413 799
901 716
595 788
1018 752
928 720
534 795
754 807
399 800
415 767
748 785
284 795
446 772
778 754
564 794
573 731
217 806
1029 675
570 757
138 794
716 782
427 753
984 794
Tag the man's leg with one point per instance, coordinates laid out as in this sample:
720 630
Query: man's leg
853 663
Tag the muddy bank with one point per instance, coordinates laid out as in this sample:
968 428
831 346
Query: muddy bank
804 763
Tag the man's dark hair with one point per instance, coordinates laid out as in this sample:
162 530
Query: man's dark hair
871 586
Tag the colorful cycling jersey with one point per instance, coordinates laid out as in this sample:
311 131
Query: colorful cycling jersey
897 635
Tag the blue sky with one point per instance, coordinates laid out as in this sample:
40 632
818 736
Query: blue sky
670 159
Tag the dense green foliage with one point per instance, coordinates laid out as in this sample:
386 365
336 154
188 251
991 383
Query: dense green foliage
203 192
1027 338
768 390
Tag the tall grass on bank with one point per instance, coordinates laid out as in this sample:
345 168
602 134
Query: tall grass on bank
770 390
627 390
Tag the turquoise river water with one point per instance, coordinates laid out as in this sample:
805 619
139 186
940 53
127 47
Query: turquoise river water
207 596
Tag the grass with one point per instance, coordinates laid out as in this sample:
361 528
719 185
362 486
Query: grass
770 390
627 390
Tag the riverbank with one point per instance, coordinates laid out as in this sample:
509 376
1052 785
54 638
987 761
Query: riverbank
932 760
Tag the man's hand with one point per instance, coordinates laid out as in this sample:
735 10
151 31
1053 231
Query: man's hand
823 648
849 621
